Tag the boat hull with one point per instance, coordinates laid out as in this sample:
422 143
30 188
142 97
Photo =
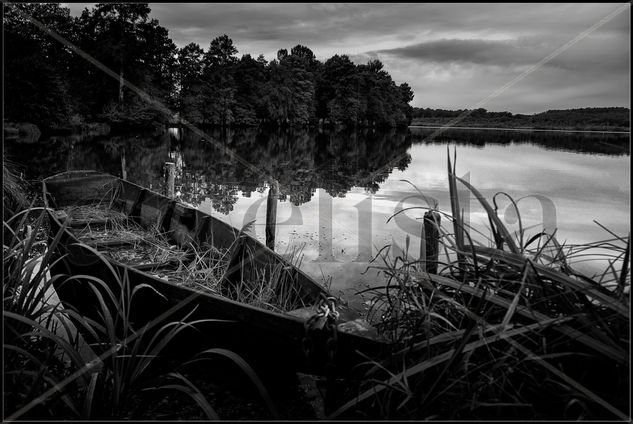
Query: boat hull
260 335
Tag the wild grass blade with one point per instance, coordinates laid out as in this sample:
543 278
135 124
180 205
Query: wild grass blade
438 359
607 299
616 353
511 310
507 238
89 396
454 196
40 331
249 372
516 209
579 387
192 391
625 269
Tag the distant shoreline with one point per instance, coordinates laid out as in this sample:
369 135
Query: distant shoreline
519 129
613 120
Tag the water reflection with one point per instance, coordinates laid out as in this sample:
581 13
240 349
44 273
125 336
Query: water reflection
579 142
354 180
300 161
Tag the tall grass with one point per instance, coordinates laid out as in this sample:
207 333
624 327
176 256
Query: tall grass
13 191
272 286
35 355
507 330
51 373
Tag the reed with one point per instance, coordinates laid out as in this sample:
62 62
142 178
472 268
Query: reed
273 285
508 330
13 191
47 373
37 352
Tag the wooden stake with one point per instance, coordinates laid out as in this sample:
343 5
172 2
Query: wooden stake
271 214
123 166
429 249
170 179
423 244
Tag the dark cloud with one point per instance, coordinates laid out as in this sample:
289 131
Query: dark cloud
485 52
521 51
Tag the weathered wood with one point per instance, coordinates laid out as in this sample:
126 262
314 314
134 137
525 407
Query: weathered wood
170 179
165 224
423 245
303 313
80 223
271 214
123 241
250 262
123 166
429 245
233 276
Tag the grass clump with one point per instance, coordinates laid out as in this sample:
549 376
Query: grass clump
272 286
51 372
203 272
117 236
204 268
507 329
13 192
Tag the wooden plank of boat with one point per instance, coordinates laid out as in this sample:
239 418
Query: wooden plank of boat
78 222
283 332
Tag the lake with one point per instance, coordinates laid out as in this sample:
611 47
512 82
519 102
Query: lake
339 189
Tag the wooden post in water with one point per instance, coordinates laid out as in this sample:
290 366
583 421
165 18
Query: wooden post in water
271 214
170 179
123 166
429 243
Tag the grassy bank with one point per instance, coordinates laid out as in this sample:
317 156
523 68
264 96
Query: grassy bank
508 330
52 373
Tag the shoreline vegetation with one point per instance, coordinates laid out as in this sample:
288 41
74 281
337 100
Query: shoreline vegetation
598 120
616 119
50 85
507 331
52 90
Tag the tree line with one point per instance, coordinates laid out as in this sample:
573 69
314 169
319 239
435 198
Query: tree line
50 84
583 118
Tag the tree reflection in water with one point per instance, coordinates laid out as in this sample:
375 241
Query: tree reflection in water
300 160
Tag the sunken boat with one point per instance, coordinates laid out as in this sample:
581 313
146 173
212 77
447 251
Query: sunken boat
184 264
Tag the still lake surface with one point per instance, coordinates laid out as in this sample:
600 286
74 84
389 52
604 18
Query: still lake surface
340 188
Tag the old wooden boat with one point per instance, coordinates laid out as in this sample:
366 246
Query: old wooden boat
271 306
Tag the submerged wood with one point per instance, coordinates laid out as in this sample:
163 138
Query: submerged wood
271 214
255 293
431 241
170 179
123 166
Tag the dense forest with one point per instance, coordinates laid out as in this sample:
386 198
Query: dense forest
600 118
49 83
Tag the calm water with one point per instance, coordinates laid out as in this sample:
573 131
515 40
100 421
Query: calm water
339 189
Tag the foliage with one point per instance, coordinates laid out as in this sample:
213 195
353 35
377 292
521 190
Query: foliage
37 89
613 118
47 82
509 331
13 197
50 372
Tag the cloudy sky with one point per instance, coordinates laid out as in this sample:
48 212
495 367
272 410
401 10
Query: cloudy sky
453 55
